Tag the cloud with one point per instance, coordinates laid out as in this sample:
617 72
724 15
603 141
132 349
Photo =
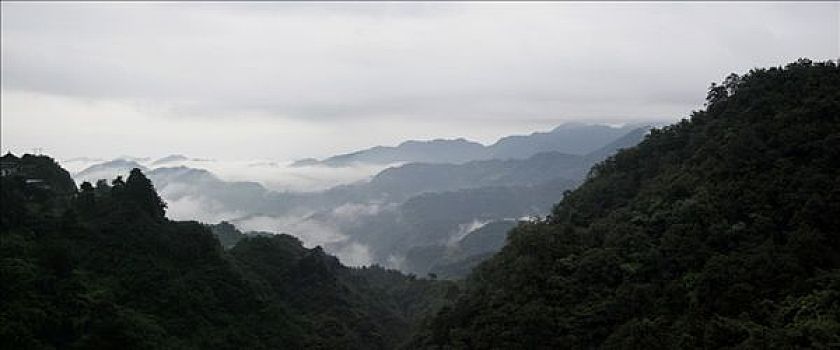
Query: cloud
199 209
350 212
312 233
280 176
306 79
187 198
275 176
464 230
395 262
354 254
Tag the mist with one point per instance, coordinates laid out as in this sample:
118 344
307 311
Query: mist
276 175
312 233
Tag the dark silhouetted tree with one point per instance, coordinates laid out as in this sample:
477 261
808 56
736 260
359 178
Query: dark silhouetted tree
139 189
102 187
86 196
118 189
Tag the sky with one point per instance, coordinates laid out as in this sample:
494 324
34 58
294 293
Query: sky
294 80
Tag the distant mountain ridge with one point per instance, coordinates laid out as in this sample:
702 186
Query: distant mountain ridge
414 178
570 138
109 169
170 159
438 150
412 210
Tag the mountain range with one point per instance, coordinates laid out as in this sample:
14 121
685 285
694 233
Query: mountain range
401 208
569 138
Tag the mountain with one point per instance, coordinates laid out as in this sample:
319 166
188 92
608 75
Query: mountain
416 178
630 139
229 236
434 219
417 204
570 138
715 232
404 181
306 162
399 209
108 170
444 151
455 260
198 193
575 139
181 181
103 268
489 238
174 158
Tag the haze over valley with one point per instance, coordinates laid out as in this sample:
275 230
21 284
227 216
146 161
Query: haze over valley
356 205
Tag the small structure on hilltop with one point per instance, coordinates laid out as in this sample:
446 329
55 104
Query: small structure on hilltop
9 165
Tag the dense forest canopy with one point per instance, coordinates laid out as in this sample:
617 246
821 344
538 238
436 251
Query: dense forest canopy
719 231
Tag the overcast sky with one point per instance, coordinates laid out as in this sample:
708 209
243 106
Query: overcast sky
291 80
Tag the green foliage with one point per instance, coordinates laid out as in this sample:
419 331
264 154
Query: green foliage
227 234
103 268
718 232
139 189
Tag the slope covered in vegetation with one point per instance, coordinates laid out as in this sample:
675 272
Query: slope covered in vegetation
102 267
720 231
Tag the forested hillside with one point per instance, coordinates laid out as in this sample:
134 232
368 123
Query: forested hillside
720 231
103 268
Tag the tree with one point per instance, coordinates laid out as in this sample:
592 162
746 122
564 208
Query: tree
139 189
102 188
86 196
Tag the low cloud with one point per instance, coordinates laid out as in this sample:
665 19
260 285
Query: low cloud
274 175
312 233
279 176
187 200
464 230
199 209
350 212
354 254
